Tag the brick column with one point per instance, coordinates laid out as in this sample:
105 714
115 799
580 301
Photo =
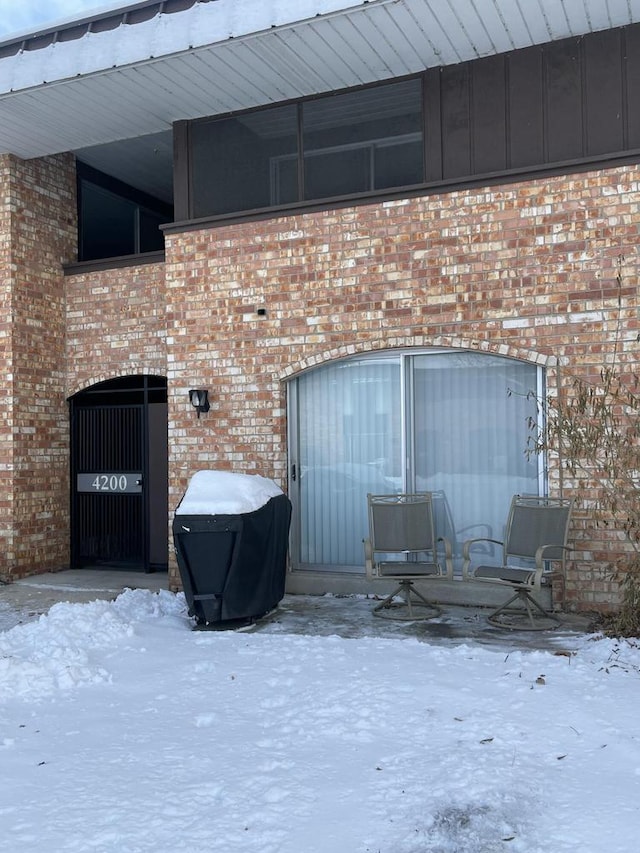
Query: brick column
6 373
37 236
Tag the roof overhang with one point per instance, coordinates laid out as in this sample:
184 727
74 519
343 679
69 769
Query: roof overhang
134 72
110 86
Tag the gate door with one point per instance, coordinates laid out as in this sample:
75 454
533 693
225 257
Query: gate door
111 516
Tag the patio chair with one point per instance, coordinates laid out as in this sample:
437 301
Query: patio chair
402 546
535 535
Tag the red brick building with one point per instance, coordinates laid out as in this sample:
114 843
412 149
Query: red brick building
372 236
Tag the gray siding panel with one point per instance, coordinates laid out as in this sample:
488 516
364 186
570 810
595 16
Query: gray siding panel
564 107
456 129
526 108
632 87
489 115
603 77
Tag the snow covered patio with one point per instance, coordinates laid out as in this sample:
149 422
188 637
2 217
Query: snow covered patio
341 616
323 730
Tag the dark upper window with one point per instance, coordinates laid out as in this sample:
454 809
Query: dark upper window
234 161
354 142
115 219
362 141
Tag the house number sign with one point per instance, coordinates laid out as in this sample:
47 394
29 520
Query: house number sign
115 483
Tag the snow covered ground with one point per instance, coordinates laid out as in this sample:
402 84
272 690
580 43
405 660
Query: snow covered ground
124 730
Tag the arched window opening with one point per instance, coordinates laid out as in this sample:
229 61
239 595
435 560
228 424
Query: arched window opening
455 423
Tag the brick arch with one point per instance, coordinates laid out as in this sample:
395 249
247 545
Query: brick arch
96 379
419 342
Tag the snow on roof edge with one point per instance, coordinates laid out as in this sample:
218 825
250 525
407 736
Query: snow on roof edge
101 13
203 24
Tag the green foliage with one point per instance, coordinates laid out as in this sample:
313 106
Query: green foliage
594 428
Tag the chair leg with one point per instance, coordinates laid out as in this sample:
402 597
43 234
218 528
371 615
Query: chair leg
388 601
530 607
391 610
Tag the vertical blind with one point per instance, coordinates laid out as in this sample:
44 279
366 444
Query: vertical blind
350 423
471 426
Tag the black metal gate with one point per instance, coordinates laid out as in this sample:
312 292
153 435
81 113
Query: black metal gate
111 512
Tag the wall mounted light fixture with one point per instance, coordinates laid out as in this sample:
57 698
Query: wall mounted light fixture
199 399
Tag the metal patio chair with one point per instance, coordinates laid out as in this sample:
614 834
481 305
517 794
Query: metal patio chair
535 535
402 546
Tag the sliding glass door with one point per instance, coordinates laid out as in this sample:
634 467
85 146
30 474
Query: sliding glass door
455 423
349 443
470 416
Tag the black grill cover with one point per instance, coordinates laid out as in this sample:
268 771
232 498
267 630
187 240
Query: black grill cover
233 567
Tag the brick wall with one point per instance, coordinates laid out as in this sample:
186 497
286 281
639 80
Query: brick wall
57 336
526 270
115 325
40 221
6 370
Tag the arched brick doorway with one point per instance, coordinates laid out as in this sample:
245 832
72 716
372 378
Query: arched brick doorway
119 474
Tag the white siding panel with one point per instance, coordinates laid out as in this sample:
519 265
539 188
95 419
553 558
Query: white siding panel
613 13
422 49
137 79
162 86
256 68
203 73
494 24
289 69
18 115
220 70
456 34
184 89
373 39
576 15
557 19
288 54
326 48
427 15
127 94
314 73
370 56
515 22
93 106
537 21
472 19
51 131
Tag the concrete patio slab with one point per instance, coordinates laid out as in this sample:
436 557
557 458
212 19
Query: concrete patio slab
352 616
348 616
26 599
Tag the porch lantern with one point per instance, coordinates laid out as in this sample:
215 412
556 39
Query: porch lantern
199 399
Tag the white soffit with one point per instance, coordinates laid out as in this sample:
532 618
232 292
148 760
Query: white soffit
225 55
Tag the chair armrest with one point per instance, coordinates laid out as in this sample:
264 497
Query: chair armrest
466 553
448 556
540 558
485 528
368 558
